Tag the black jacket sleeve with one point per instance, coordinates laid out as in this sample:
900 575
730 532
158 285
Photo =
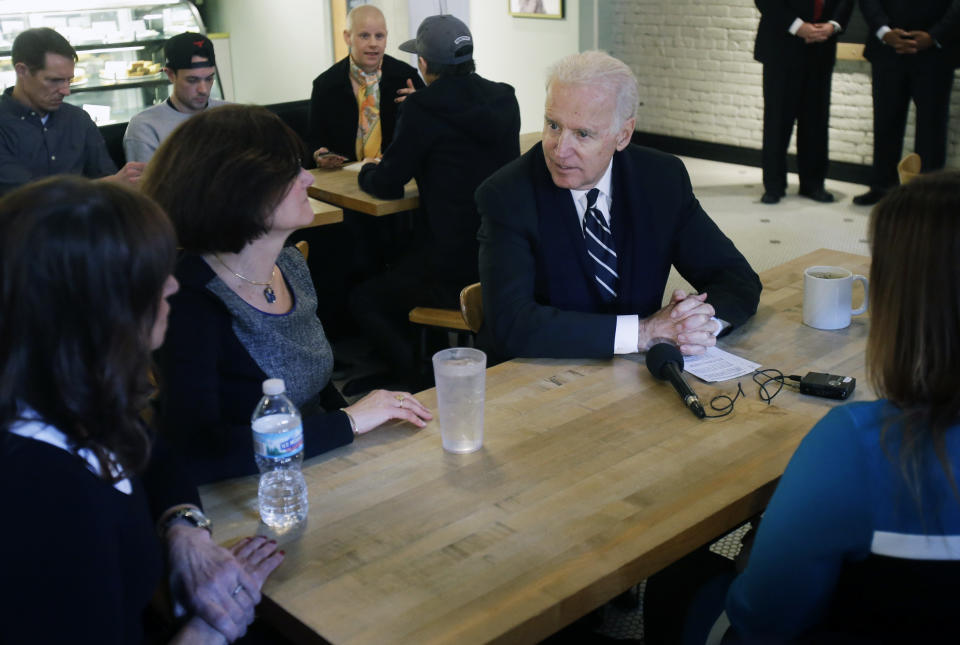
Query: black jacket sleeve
411 141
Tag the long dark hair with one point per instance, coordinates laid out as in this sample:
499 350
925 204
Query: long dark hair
913 351
82 267
221 174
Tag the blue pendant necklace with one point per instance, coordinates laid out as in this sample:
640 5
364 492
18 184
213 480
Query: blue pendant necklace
268 292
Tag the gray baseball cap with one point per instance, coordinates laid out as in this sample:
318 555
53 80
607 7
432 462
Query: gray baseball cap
438 40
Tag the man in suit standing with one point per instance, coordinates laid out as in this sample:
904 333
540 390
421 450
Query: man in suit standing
913 50
797 44
577 236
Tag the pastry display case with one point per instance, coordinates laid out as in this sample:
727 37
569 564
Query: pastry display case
119 44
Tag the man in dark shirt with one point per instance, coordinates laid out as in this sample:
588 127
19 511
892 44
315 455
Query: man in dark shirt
40 134
450 136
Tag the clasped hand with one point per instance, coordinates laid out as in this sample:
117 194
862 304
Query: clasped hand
220 586
686 321
816 32
908 42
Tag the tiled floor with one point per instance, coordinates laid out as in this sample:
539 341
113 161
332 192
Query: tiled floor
771 235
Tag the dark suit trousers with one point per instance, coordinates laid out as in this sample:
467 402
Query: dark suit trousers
896 81
802 94
380 307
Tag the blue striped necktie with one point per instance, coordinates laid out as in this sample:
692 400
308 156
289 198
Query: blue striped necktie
600 248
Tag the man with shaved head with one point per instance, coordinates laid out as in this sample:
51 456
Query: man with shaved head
353 111
353 108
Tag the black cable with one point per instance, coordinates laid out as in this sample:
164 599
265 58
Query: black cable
727 407
763 377
723 403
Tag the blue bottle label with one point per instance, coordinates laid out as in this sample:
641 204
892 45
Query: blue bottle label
278 445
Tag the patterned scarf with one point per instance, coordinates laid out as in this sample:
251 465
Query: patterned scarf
368 102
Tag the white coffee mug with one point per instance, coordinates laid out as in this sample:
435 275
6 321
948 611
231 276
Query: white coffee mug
828 297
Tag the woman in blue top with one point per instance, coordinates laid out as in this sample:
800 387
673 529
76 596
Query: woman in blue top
861 540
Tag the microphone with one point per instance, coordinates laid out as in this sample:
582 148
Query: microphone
665 362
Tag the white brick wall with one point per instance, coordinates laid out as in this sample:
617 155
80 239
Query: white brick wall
698 79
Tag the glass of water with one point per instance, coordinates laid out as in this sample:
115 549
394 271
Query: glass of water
460 374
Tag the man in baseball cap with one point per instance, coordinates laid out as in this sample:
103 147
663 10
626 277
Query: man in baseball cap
450 136
191 68
441 40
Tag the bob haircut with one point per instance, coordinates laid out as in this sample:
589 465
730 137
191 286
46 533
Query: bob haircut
82 268
913 350
221 174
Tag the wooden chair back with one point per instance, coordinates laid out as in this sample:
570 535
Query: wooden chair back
304 247
471 306
909 167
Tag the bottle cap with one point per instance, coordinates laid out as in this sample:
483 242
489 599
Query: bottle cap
274 386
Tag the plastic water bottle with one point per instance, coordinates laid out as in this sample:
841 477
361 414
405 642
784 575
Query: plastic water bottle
278 449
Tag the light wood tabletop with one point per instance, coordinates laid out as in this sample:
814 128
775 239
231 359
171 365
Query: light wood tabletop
339 187
592 477
324 213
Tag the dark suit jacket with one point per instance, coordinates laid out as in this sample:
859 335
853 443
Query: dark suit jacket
939 18
333 106
539 295
776 44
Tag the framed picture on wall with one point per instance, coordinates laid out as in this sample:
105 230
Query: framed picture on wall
536 8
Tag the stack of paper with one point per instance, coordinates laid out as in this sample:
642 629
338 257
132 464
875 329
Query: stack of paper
718 365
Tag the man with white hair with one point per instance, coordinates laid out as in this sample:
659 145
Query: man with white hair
577 236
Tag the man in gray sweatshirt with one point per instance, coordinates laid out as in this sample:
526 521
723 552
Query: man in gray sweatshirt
191 67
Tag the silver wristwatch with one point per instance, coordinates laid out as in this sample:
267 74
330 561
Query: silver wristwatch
192 515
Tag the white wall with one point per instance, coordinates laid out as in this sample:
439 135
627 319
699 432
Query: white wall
277 54
698 79
278 46
511 50
519 51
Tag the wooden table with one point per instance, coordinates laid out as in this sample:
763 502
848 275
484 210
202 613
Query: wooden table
339 187
324 213
592 477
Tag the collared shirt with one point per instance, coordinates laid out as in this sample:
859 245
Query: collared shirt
627 332
31 426
604 200
69 142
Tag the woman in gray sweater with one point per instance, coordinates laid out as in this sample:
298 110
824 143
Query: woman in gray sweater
231 180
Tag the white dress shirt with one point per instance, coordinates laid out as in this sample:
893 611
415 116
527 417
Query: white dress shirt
627 334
